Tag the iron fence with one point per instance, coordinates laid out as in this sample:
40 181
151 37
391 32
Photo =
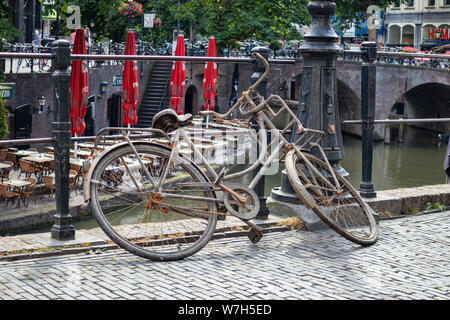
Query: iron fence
426 60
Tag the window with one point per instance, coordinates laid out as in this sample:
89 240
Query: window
431 3
447 2
397 4
410 3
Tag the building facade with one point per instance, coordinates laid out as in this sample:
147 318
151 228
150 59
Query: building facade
420 23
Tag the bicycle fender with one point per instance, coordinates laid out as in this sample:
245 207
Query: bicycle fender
87 182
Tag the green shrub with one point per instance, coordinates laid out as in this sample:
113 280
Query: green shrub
413 210
431 206
3 121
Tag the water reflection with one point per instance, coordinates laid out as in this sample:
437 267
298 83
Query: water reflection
416 162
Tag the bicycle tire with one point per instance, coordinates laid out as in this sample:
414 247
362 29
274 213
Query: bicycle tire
342 210
150 232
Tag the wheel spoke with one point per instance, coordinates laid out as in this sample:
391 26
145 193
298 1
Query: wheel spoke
341 208
168 225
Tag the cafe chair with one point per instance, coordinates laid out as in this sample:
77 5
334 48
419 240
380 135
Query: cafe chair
28 168
29 190
78 169
87 150
49 184
32 149
49 167
12 157
3 154
8 195
72 179
4 173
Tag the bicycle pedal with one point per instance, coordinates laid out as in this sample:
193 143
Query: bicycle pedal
254 235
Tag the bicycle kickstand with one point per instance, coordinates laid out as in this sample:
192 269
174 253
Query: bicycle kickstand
255 234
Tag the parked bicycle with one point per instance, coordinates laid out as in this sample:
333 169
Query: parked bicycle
155 202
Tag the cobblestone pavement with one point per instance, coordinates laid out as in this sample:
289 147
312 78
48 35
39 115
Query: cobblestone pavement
411 260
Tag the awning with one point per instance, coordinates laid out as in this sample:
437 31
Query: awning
51 16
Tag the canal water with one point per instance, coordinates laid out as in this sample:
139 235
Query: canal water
415 162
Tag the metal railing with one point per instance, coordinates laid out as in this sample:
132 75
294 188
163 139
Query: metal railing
426 60
400 121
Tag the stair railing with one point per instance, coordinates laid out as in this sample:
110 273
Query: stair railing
166 90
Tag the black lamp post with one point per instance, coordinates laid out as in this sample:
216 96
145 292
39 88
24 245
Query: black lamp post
318 105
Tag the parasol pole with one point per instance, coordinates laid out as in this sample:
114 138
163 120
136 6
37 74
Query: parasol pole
76 147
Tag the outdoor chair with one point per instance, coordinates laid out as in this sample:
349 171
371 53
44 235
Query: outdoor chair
3 154
49 167
87 150
72 179
28 168
32 149
8 195
12 157
29 190
48 150
49 184
4 173
78 169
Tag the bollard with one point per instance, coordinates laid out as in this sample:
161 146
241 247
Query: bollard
368 96
262 89
62 228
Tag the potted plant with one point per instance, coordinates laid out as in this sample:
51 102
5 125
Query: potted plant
130 9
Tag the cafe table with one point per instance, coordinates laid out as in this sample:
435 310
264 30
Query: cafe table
24 153
81 153
18 186
39 161
4 165
86 145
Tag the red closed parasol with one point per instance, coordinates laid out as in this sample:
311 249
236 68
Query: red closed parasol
210 78
178 78
79 87
130 84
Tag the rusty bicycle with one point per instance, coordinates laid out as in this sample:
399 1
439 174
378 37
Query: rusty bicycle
154 201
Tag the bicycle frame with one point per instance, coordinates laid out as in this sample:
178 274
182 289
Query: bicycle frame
308 139
264 159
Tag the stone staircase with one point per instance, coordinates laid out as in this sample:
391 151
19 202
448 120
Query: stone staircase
156 96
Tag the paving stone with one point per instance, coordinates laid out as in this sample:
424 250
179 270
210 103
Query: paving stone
411 260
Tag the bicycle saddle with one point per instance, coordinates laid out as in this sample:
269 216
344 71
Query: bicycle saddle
168 120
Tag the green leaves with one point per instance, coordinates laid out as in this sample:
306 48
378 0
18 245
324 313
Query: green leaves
228 20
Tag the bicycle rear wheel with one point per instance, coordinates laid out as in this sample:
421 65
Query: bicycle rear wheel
339 206
152 224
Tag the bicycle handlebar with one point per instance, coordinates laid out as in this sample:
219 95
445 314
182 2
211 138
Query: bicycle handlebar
245 94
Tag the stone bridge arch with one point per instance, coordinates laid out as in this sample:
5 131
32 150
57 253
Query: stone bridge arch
394 84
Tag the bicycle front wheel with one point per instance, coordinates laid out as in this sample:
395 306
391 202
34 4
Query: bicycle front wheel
171 224
339 205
